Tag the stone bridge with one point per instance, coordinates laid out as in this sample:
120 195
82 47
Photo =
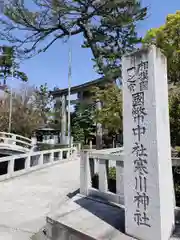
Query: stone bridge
11 144
30 194
44 188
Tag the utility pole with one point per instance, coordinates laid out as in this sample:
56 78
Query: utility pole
69 88
10 103
10 100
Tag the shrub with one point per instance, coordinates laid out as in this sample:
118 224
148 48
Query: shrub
111 180
177 148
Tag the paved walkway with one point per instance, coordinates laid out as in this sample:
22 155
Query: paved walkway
26 200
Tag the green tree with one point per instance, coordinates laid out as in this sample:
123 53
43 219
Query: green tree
174 112
83 126
167 37
110 115
43 102
9 65
108 27
77 133
56 115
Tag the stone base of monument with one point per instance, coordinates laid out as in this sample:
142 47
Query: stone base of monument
86 218
82 218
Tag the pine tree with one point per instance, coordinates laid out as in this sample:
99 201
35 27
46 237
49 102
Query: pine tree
108 27
83 125
9 65
110 115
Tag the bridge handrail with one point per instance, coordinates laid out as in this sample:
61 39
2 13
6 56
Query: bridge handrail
77 145
95 162
17 141
42 159
25 155
16 135
12 140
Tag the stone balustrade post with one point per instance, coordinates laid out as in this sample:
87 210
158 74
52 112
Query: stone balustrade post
85 175
103 176
51 157
11 166
28 162
60 154
99 131
41 160
120 180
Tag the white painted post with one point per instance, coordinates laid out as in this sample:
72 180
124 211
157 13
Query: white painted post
96 165
99 131
90 144
79 146
60 155
120 180
72 141
68 154
11 166
85 175
14 140
51 157
148 182
40 159
28 162
33 140
6 140
103 183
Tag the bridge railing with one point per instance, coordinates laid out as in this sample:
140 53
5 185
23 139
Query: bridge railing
14 139
16 165
77 145
97 163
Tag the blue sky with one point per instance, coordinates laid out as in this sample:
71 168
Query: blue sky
52 66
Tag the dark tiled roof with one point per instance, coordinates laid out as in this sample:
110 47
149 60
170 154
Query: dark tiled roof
77 88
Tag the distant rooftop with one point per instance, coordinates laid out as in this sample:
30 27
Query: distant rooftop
84 86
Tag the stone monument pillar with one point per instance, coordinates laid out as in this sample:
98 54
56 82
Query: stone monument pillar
98 129
63 119
148 182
